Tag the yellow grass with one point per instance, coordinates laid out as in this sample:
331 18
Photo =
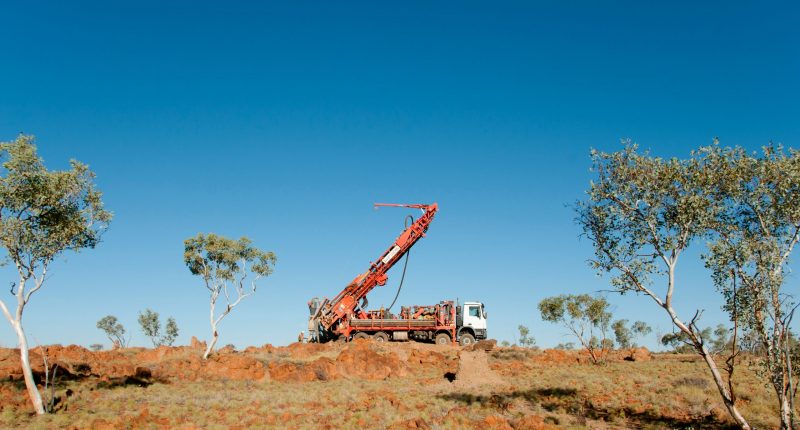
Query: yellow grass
670 391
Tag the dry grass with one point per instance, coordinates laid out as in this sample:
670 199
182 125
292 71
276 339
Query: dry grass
666 392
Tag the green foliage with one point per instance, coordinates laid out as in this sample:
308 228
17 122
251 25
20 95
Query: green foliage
170 332
626 335
680 342
622 333
585 316
219 259
151 327
96 347
718 338
640 328
113 329
525 339
721 339
43 212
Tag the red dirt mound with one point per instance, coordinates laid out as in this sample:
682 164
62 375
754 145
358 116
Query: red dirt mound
306 350
483 345
363 360
321 369
431 359
358 360
72 360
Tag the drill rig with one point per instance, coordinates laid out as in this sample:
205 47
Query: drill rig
345 316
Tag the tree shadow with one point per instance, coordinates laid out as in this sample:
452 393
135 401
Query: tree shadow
504 399
568 400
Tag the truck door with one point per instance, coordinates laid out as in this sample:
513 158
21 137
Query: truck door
475 318
472 316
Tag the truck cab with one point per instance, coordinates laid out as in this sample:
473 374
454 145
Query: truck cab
471 322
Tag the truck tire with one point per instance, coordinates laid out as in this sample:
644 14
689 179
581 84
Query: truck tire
466 339
381 337
442 339
361 335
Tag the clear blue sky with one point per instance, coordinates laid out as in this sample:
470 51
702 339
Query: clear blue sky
285 122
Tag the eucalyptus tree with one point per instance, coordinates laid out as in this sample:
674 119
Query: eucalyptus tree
150 323
43 213
626 335
525 338
229 269
641 213
114 330
756 234
586 317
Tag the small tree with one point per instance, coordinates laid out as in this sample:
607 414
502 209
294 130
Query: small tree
225 265
721 339
113 329
626 335
42 214
170 332
679 342
96 347
586 317
525 339
151 327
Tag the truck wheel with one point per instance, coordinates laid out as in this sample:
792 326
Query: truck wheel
442 339
381 337
361 335
466 339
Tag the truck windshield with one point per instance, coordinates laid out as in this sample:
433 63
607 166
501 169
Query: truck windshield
474 311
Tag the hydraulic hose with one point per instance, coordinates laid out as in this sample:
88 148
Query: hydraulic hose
405 265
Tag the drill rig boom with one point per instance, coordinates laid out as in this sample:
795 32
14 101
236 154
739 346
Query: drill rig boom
330 317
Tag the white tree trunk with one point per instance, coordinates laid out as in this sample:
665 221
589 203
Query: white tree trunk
214 334
27 372
211 344
16 324
723 390
786 413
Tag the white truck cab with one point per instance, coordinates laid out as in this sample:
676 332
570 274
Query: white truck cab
471 322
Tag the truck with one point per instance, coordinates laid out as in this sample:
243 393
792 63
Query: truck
345 317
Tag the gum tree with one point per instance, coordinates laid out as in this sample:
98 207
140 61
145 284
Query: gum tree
641 213
525 338
586 317
229 269
626 335
756 234
43 213
150 323
114 330
151 326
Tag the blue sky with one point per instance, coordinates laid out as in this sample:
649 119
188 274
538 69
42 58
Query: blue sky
284 122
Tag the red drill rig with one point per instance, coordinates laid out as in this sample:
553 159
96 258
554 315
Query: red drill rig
345 316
